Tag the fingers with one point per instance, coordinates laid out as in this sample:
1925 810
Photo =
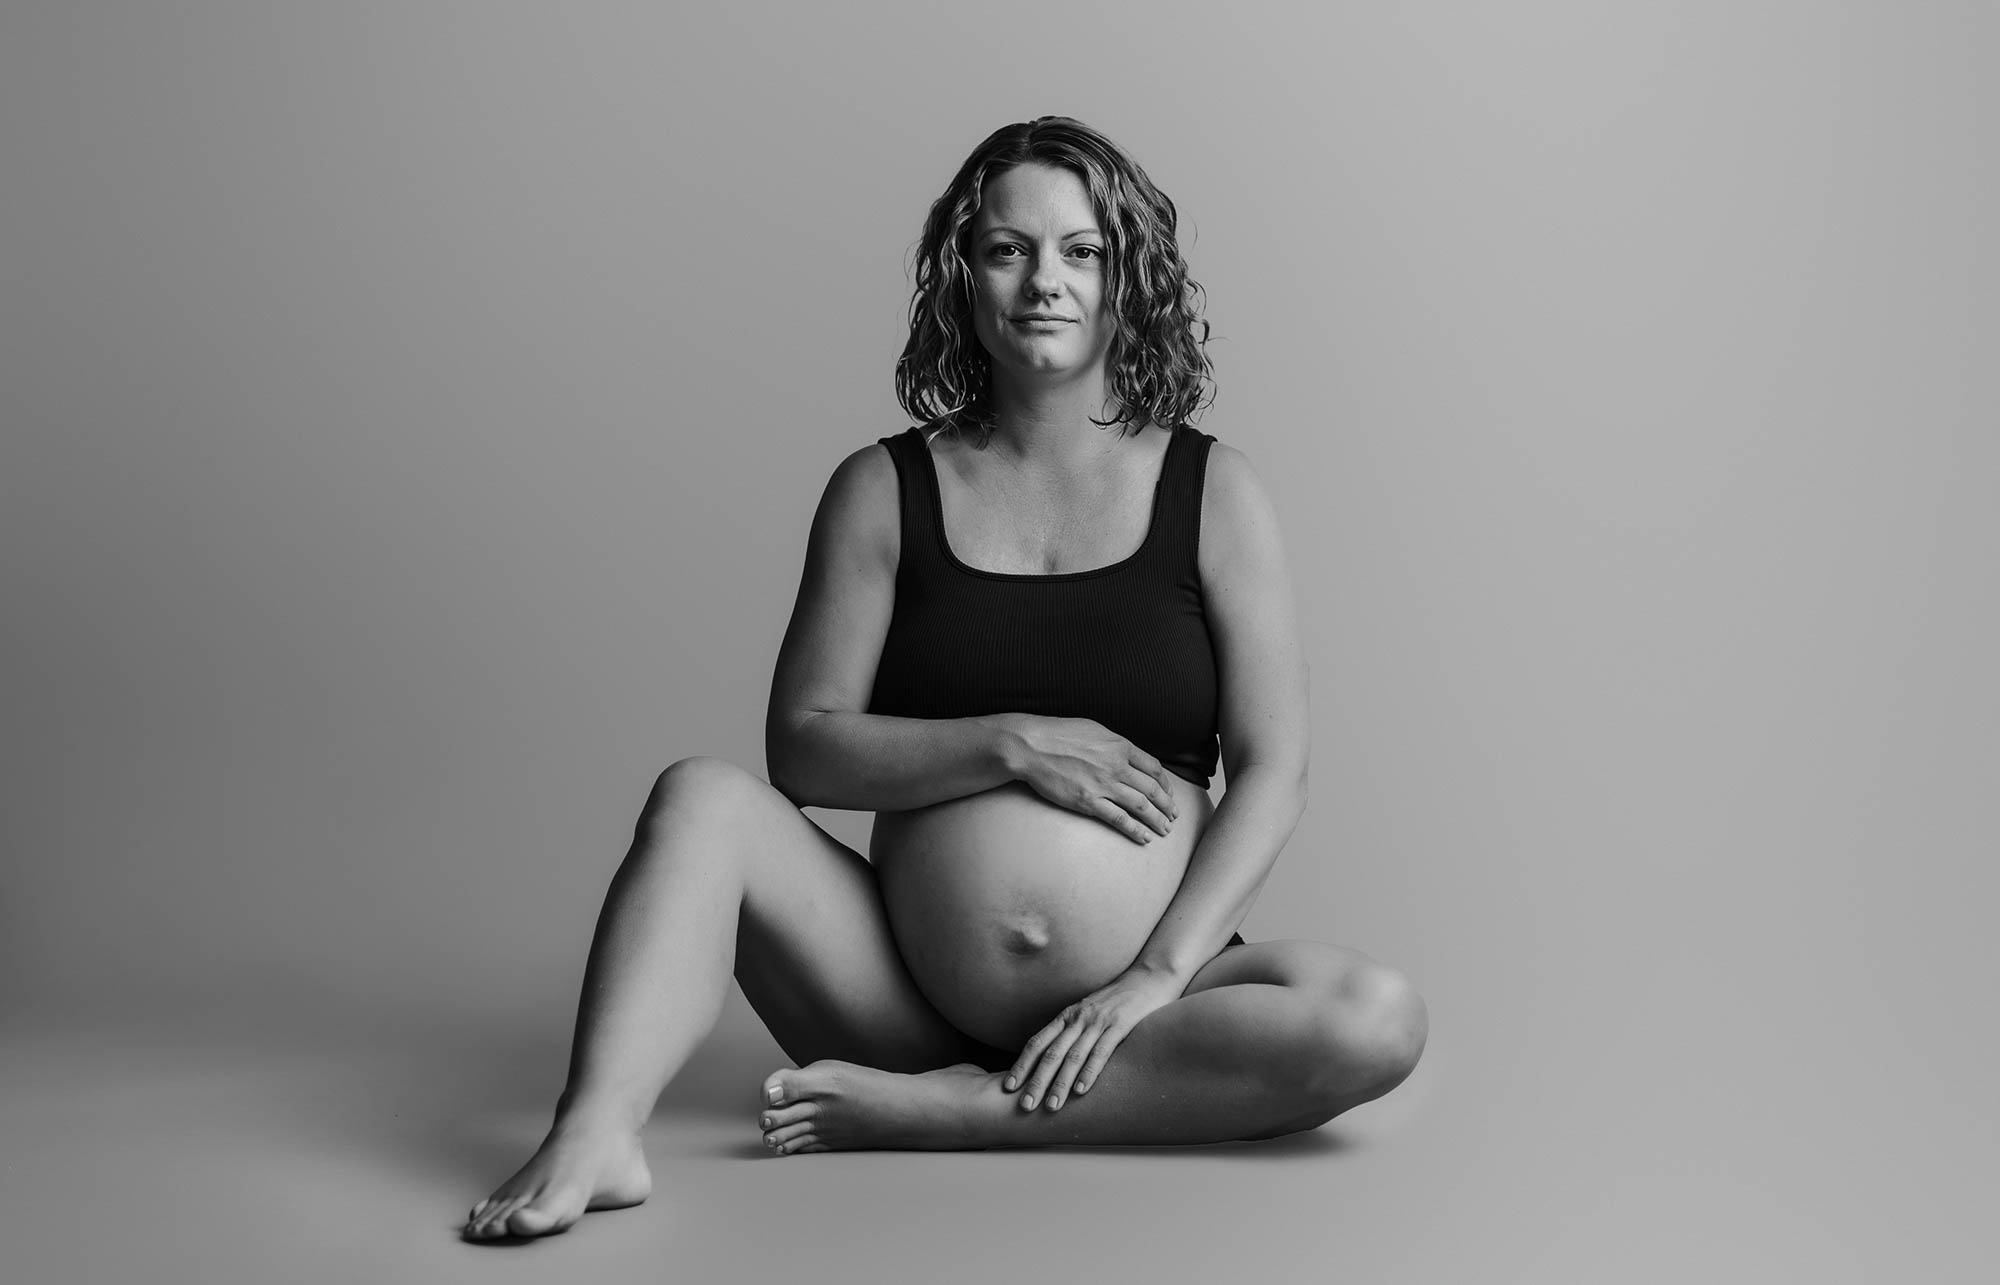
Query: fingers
1143 807
1088 1038
1029 1053
1055 1040
1119 819
1065 1056
1107 1044
1155 783
1159 782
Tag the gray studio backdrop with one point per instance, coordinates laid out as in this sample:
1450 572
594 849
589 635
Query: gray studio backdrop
412 419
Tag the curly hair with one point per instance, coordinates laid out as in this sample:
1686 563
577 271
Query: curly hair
1156 369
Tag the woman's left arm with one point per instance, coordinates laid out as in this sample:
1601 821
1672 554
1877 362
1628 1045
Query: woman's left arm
1265 734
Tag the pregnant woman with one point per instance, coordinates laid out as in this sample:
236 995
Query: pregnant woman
1027 631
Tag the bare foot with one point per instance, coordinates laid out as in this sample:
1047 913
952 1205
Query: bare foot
839 1106
573 1171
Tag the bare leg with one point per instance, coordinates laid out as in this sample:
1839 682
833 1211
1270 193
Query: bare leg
1271 1038
724 874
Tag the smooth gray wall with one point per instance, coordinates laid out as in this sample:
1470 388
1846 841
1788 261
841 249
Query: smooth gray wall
413 415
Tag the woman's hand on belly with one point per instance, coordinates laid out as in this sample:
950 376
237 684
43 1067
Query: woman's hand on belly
1084 766
1073 1048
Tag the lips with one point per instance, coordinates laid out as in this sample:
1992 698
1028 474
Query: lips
1042 316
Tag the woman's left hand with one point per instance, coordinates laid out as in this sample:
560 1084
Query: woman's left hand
1074 1047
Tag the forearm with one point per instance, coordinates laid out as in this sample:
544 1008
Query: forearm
1233 857
881 763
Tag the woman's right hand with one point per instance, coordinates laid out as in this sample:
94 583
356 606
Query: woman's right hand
1082 765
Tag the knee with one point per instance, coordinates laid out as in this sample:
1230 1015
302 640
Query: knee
1370 1033
703 781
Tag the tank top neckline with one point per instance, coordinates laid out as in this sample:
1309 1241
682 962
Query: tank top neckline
1152 528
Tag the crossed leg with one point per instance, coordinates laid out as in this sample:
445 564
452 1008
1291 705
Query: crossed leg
1269 1038
726 875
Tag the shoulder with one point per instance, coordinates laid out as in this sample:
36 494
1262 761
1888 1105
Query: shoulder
867 470
860 508
1238 519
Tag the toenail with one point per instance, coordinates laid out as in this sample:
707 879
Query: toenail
776 1095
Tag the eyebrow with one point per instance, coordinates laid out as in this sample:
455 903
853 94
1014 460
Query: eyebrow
1018 232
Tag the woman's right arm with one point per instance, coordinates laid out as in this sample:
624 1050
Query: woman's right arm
821 749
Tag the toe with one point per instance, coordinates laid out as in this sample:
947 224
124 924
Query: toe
531 1220
779 1117
495 1221
779 1138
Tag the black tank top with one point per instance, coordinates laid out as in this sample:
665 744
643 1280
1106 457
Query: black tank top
1125 644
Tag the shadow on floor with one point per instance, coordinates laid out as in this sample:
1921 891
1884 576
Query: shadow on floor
463 1100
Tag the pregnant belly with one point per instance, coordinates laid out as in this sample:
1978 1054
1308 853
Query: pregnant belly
1007 908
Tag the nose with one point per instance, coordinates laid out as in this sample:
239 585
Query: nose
1044 281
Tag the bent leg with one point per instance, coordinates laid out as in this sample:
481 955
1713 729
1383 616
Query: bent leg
727 876
724 875
1269 1038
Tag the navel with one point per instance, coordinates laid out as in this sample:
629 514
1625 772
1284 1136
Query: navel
1025 935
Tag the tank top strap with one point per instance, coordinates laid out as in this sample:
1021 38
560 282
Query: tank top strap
921 553
1177 544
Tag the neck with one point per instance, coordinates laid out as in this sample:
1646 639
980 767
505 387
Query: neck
1051 422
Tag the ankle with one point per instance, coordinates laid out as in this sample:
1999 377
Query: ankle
594 1117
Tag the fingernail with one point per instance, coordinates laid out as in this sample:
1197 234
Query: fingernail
1028 1103
1010 1084
1055 1104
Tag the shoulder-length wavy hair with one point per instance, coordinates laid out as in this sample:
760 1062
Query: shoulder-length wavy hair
1156 368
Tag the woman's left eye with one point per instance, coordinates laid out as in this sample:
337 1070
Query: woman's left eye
1090 250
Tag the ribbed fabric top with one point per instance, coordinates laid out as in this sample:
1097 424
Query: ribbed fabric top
1125 644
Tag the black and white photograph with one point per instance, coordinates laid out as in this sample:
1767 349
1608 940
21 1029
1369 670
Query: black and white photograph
914 643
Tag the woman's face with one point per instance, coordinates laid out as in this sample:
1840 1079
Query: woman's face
1036 252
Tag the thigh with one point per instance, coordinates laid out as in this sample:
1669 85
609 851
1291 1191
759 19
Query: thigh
814 955
1313 966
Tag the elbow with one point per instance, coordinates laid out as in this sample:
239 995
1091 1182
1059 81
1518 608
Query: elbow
785 780
785 761
781 779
